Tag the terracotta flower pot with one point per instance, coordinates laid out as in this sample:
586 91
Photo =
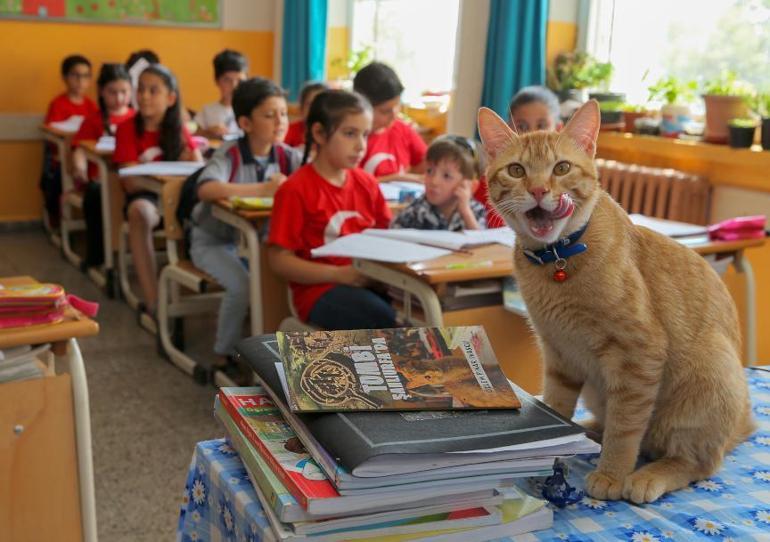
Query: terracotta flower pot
719 111
630 118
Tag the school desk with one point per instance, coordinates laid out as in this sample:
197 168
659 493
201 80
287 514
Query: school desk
62 140
428 281
220 502
44 461
111 214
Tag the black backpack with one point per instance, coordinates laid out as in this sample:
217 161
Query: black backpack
188 196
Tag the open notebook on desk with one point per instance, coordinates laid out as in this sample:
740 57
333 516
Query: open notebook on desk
72 124
392 190
408 245
180 169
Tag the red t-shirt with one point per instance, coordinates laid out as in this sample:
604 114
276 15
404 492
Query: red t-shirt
295 136
93 127
61 108
394 150
309 211
494 220
129 147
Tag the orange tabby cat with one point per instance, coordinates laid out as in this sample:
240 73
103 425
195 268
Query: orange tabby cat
639 324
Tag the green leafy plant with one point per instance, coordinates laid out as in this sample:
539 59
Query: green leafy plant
743 123
356 60
634 108
727 84
672 91
761 104
611 106
578 70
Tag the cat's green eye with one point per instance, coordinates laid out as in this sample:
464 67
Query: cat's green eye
562 168
516 171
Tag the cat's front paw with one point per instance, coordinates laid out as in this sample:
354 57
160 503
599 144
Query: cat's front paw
641 487
604 486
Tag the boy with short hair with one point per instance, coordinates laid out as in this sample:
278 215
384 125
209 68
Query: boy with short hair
394 149
217 119
254 165
452 168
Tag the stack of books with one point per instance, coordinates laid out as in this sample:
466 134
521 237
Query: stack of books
393 434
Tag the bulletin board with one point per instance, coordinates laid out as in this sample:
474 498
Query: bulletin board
202 13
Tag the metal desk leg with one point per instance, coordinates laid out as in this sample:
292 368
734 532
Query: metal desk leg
431 306
743 266
83 437
255 286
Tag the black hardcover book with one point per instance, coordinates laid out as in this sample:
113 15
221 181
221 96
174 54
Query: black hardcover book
375 443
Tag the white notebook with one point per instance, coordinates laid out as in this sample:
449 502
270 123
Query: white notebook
181 169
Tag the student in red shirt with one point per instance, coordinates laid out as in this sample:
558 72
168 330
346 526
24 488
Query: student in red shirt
76 73
394 150
325 200
114 108
155 133
295 136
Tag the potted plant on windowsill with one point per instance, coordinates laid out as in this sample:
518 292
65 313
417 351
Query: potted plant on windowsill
741 132
763 108
675 96
574 73
726 98
632 113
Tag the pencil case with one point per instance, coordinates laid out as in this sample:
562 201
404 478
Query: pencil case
743 227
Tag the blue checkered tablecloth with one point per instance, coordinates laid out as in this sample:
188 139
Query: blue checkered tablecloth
219 503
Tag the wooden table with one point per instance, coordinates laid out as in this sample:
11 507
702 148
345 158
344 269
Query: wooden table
38 465
428 280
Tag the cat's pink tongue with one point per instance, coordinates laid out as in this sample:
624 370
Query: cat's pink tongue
565 208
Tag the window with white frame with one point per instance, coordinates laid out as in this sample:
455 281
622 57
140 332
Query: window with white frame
688 39
415 37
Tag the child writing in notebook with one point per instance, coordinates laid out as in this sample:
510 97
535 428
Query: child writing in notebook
394 150
216 119
532 108
155 133
72 103
255 165
114 87
321 201
295 137
452 169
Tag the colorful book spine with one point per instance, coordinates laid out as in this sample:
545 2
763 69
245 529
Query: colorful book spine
262 424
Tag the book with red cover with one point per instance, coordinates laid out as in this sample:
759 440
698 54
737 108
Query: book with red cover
262 423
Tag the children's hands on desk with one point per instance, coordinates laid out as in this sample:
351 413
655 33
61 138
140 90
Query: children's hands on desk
272 184
350 276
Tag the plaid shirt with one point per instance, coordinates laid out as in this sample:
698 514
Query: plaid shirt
422 215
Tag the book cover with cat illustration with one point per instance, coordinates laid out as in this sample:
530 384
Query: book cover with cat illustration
437 368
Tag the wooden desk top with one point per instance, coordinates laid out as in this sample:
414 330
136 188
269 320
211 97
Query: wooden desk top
56 132
496 261
90 146
74 325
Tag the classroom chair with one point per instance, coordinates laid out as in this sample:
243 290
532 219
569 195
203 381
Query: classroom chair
293 322
183 289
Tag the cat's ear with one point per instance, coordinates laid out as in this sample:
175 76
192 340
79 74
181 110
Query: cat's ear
583 127
495 134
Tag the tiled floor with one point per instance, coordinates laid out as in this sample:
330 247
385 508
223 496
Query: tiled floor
146 415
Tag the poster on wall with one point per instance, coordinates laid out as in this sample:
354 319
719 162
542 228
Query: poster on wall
202 13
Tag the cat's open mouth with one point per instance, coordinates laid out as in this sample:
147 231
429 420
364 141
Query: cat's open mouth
541 221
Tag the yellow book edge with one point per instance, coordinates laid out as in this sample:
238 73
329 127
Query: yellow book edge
251 203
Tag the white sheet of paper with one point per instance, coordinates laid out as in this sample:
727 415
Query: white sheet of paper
106 143
382 249
438 238
669 228
503 236
72 124
181 169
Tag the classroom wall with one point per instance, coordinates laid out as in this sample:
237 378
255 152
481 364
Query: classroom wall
34 50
